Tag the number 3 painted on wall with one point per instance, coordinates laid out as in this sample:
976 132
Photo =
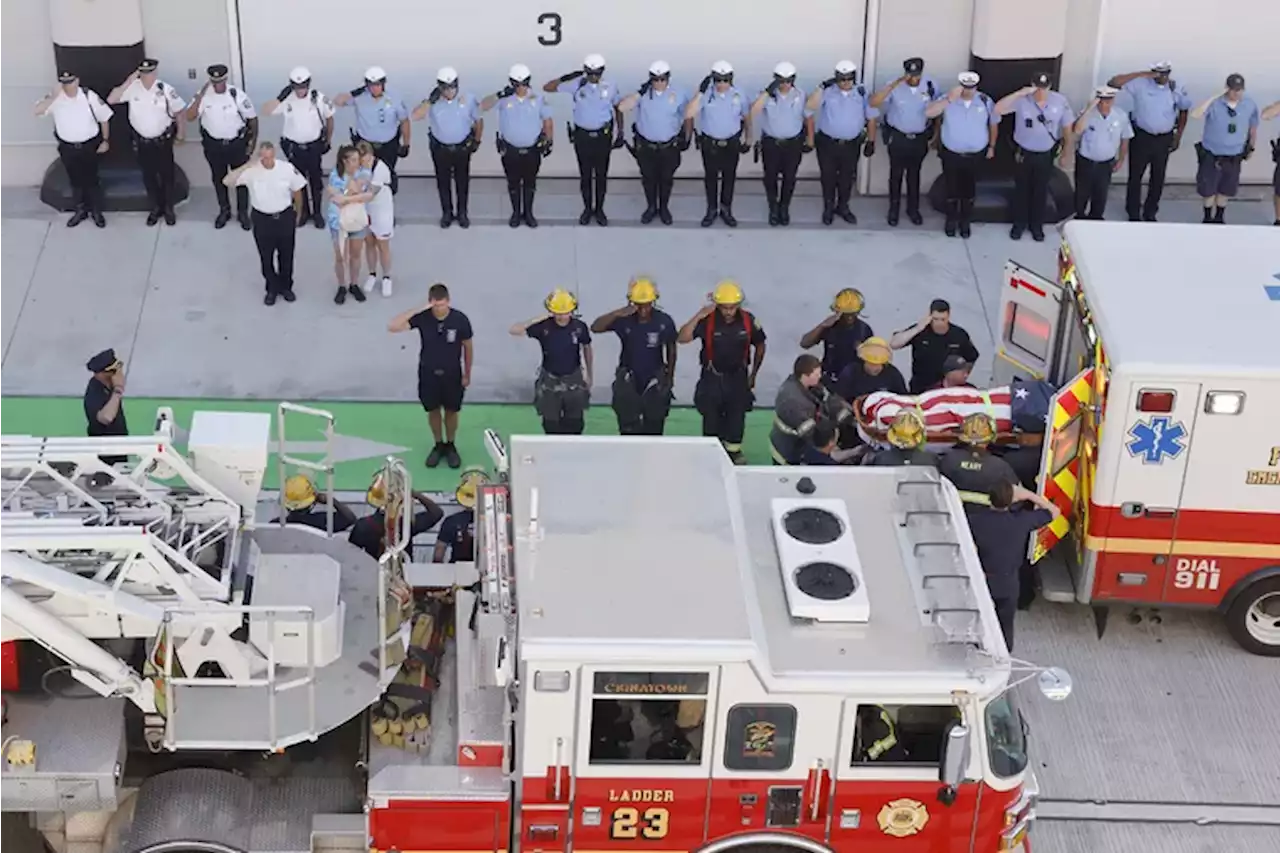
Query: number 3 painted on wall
553 23
628 823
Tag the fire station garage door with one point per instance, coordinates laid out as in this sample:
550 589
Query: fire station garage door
338 39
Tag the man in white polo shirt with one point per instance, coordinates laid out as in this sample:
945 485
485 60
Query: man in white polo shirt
81 124
275 194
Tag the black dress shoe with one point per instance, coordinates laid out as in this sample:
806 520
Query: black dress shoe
447 219
463 220
648 215
515 220
847 215
892 219
950 228
784 216
243 218
99 219
76 218
340 297
224 216
1037 234
170 218
530 220
828 216
584 218
318 220
1015 233
964 229
708 219
269 299
288 295
153 217
915 217
774 218
665 216
728 217
1146 217
601 219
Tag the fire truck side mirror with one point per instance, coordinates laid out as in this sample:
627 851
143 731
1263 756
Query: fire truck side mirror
1054 683
955 755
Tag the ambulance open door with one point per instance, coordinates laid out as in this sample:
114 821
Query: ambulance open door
1030 323
1067 463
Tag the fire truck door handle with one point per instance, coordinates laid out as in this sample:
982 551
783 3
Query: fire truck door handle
559 747
815 793
1160 512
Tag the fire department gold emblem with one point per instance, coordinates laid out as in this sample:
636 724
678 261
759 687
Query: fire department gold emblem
759 739
901 818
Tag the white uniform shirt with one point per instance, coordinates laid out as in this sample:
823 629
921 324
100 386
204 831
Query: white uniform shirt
304 117
223 115
271 190
151 111
76 118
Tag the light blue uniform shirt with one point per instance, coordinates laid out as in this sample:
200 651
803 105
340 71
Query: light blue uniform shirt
660 115
1154 107
722 113
1030 132
1226 130
451 120
593 103
966 124
1102 135
783 116
904 108
844 115
378 119
520 119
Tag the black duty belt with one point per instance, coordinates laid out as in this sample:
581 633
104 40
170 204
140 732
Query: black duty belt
91 142
528 149
829 138
964 153
649 143
902 133
791 140
593 134
1095 162
156 140
276 215
448 146
718 143
296 144
355 137
1027 152
213 140
1144 132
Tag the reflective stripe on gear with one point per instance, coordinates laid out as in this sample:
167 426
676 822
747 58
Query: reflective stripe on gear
804 429
886 743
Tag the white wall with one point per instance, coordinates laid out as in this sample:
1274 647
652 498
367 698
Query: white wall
26 70
186 37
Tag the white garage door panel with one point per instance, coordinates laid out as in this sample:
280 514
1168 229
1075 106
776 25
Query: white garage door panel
412 39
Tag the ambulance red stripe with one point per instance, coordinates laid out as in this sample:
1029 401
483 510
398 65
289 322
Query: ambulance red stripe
1200 525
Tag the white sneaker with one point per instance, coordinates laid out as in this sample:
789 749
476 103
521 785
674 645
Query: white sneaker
370 283
386 285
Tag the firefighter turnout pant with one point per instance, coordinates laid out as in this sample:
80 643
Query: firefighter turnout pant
723 400
562 402
388 152
838 169
593 148
80 159
1146 151
1032 171
521 166
781 159
453 173
155 158
1093 180
658 164
305 157
906 155
720 170
224 155
640 411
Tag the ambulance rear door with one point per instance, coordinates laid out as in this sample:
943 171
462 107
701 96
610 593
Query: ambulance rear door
1030 325
1067 462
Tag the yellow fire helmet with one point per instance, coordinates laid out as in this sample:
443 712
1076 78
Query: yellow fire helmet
642 291
727 293
848 301
906 432
978 429
299 492
561 301
376 497
875 351
468 490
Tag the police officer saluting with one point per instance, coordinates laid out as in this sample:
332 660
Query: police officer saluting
647 364
157 118
786 132
1230 135
906 132
456 129
382 120
595 131
1158 111
228 131
1104 133
906 438
846 129
969 127
840 334
733 347
307 135
563 388
1041 127
661 132
724 135
81 124
525 136
104 399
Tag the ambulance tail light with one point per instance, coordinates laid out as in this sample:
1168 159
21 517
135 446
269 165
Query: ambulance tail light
1156 401
1224 402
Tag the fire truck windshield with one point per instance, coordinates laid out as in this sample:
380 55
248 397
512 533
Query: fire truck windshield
1006 737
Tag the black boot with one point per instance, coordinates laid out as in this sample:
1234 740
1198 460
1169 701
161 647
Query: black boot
584 218
1208 215
664 201
892 217
774 218
828 214
242 216
528 206
726 213
446 219
79 216
601 188
953 214
154 216
648 216
710 217
1219 215
224 216
464 221
515 219
966 214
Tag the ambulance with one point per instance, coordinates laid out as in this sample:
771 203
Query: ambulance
1163 442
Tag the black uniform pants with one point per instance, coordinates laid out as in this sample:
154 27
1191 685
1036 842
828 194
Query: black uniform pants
838 169
723 400
593 148
906 156
80 159
1146 151
781 158
223 156
1093 180
521 167
658 164
274 234
640 411
1006 609
305 157
155 158
720 170
959 175
453 170
388 152
1031 188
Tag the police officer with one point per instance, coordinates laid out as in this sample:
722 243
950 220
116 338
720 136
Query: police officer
275 193
1158 111
786 132
370 533
1041 134
647 365
228 131
661 133
969 127
733 347
104 400
724 135
563 388
907 131
873 370
970 466
931 341
1230 135
303 505
840 334
307 136
157 118
595 131
82 126
906 437
802 405
525 136
456 128
846 129
457 535
1104 133
382 120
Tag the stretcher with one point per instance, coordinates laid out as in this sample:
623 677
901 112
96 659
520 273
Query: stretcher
943 410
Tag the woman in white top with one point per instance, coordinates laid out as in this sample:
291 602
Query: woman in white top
382 218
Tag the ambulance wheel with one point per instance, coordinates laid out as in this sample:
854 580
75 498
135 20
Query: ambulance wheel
1254 618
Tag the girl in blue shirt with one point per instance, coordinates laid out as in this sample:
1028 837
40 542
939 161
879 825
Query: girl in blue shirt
348 185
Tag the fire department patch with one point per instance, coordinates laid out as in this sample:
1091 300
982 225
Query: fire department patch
759 739
901 818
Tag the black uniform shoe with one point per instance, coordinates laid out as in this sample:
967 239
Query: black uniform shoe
648 215
665 216
847 215
530 220
436 454
915 217
1037 234
892 218
1219 215
584 218
76 218
709 218
170 218
99 219
515 219
224 216
784 216
774 218
153 217
601 219
269 299
451 457
356 293
964 228
727 215
828 216
447 219
318 220
288 296
463 220
1015 233
340 297
1146 217
243 218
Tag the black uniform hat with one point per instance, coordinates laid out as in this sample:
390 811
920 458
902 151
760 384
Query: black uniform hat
1040 80
1235 82
66 77
217 73
104 360
913 66
146 66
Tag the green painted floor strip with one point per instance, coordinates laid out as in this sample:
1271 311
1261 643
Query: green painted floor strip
399 424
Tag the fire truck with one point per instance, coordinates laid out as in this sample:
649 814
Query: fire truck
1162 448
654 650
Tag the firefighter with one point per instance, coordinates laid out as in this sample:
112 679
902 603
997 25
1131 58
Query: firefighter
802 404
562 391
906 434
823 446
840 334
457 535
877 736
370 533
970 466
871 372
301 506
733 347
647 365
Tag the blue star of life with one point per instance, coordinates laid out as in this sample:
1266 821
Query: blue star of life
1156 439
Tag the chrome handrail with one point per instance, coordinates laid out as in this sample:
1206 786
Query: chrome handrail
326 466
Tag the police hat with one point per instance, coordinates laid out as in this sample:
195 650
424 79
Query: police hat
147 66
1040 80
1235 82
1105 93
968 79
217 73
954 362
104 360
913 66
66 77
1162 67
